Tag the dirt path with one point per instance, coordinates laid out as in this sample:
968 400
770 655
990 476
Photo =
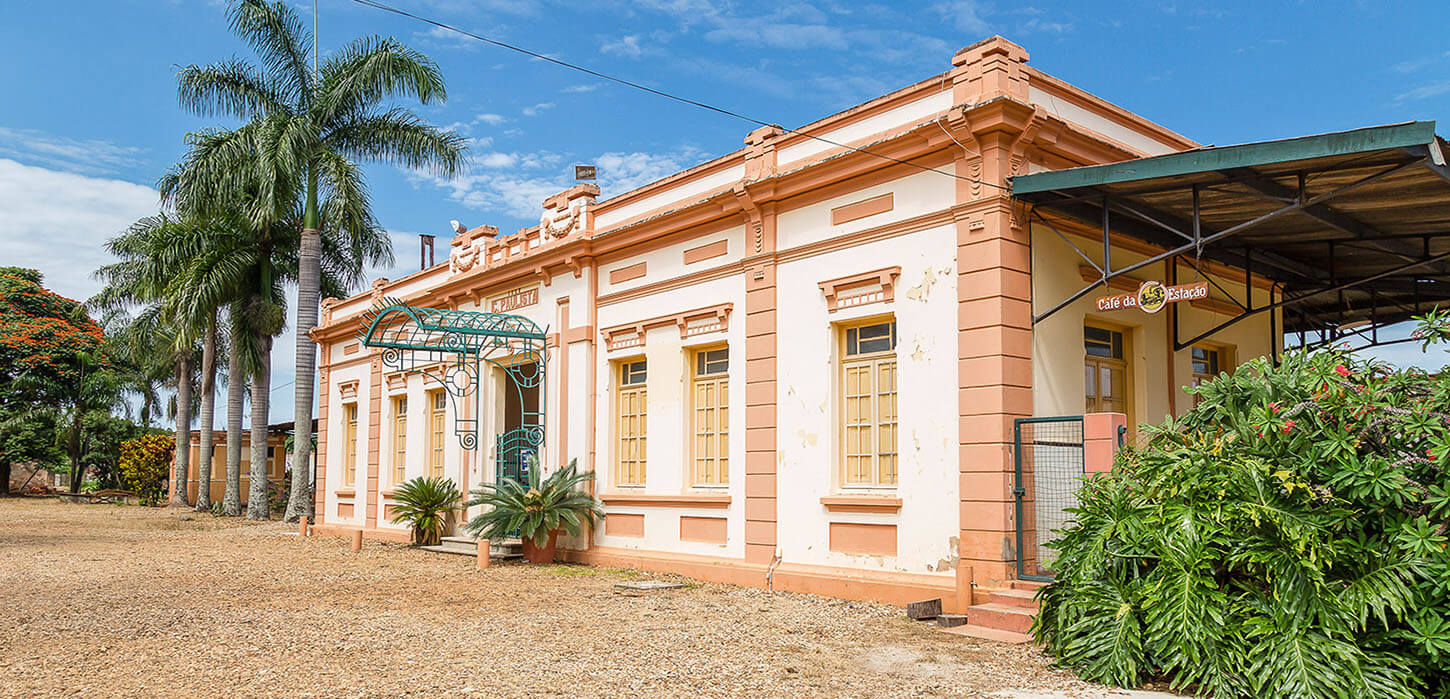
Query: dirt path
105 599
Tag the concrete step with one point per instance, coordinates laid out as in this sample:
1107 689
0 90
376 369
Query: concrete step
1013 598
988 634
1028 585
1000 616
466 546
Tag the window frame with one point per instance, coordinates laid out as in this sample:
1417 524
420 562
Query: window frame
437 432
720 382
1224 359
1125 362
349 432
876 361
400 439
638 391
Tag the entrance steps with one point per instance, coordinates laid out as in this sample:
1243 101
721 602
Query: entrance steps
1005 617
468 546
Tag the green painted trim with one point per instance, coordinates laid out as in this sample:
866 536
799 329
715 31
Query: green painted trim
1415 133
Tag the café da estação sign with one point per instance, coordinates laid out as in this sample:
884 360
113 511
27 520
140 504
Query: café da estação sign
1152 296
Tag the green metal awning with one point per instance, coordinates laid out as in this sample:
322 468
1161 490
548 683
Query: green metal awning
1189 164
1353 226
446 346
394 324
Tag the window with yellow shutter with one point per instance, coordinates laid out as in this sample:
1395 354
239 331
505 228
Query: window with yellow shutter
710 417
349 442
438 405
630 423
400 439
868 405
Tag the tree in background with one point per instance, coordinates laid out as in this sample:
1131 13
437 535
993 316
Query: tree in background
141 280
307 126
53 368
143 466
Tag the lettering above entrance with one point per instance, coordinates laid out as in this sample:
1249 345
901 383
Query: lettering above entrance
521 297
1152 296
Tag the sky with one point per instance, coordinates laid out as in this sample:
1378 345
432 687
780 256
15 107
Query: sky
90 118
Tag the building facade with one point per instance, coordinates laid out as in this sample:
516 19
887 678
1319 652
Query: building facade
799 364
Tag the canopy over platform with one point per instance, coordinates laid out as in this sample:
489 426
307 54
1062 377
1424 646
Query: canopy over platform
1354 227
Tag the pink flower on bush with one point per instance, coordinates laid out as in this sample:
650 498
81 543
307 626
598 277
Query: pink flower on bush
1339 369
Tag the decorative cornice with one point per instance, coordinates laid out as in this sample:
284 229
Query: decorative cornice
876 286
691 323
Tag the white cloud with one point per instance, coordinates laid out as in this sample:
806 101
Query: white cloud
496 160
519 182
624 46
965 15
58 222
89 156
574 89
490 119
1424 91
781 35
537 109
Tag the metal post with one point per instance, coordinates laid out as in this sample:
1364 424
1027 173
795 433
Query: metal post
1107 242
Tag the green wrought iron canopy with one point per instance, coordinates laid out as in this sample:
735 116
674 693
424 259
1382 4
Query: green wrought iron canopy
446 347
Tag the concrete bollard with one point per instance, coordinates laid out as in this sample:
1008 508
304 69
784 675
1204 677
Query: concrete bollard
483 553
357 540
302 528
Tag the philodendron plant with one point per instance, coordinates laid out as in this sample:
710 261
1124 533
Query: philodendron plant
535 509
424 505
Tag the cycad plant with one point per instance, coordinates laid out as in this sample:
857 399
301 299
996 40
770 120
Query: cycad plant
1286 537
424 504
536 510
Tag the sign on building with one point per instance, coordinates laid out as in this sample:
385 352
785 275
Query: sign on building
1152 296
514 300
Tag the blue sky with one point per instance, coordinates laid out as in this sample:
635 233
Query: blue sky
90 119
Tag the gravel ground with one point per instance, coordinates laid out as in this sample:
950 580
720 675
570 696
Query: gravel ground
106 599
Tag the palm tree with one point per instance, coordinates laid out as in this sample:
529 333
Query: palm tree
236 258
236 391
207 413
305 129
143 277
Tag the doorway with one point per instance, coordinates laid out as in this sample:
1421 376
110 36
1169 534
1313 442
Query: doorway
523 421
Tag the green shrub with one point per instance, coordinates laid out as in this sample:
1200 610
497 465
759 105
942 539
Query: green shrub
535 509
424 505
145 465
1286 537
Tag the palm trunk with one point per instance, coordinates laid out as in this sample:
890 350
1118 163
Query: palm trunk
183 431
236 384
309 281
257 505
74 450
208 415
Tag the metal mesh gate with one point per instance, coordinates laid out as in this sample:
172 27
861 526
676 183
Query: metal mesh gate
1050 467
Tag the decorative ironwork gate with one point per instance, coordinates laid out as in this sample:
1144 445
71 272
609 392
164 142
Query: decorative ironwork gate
1050 465
449 347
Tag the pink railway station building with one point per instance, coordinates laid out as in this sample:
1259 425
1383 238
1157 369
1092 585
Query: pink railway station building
870 358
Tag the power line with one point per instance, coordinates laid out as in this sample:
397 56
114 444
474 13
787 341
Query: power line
660 93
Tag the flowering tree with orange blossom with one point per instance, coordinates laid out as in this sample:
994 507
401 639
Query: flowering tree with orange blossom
53 369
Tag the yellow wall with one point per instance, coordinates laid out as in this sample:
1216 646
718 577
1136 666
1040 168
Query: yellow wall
1057 349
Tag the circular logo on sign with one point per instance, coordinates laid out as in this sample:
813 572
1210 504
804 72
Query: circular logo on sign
1152 297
